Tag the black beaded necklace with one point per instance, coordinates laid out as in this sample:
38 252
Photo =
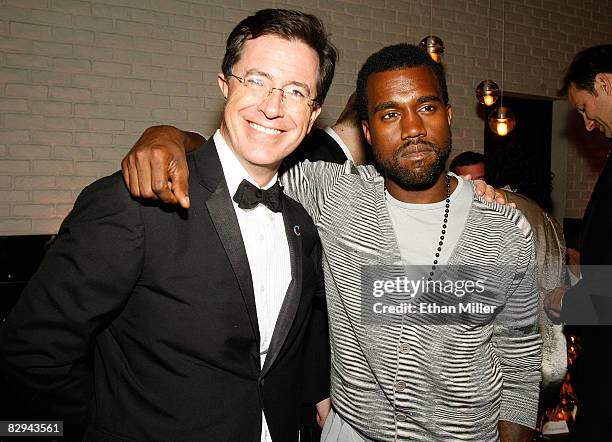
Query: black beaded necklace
444 223
443 232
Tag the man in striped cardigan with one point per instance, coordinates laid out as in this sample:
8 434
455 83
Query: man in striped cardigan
393 379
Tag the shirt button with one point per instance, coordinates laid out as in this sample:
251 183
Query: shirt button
400 417
400 386
404 348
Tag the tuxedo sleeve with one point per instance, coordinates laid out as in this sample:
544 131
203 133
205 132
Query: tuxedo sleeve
47 340
589 302
317 358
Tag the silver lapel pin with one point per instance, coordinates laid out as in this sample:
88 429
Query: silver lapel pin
296 230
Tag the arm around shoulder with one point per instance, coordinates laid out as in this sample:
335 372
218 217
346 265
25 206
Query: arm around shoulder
156 168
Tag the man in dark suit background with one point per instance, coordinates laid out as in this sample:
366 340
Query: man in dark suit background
334 144
205 323
588 85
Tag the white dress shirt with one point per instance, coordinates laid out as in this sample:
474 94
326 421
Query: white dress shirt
267 249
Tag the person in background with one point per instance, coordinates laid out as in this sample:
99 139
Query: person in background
469 163
335 144
550 259
588 86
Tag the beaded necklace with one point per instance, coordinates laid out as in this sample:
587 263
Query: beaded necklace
444 224
443 232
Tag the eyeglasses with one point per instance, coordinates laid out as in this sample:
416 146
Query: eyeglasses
260 87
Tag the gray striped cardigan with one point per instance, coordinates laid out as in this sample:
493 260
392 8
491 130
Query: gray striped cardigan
458 380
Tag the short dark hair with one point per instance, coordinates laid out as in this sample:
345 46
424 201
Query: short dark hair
290 25
585 66
468 158
392 58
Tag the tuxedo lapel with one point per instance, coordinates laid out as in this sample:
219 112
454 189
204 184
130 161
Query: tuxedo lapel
223 216
291 302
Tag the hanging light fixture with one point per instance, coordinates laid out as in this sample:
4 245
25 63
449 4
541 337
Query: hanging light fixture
434 47
487 92
502 120
432 44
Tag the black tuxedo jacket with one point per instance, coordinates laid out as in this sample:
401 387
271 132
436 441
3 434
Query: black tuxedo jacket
318 145
163 300
590 302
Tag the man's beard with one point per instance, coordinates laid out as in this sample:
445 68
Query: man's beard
409 179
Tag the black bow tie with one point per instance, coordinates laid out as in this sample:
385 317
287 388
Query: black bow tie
248 196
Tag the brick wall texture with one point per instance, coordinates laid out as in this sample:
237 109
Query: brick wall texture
80 80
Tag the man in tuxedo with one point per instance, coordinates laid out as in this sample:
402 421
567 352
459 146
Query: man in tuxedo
588 86
201 324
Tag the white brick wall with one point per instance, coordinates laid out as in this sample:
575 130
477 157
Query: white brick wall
79 80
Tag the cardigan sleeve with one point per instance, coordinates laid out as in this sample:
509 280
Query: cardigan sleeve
517 343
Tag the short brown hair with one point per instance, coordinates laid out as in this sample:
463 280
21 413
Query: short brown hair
291 25
585 66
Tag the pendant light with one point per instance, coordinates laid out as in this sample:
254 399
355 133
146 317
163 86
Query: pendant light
434 47
502 120
487 92
432 44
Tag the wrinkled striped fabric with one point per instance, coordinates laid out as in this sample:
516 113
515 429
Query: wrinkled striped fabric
457 380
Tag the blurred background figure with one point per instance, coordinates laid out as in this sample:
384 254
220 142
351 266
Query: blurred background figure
469 163
336 144
550 259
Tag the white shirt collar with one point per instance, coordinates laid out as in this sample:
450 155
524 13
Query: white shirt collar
233 170
332 133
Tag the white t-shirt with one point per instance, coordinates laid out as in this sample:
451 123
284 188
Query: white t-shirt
418 226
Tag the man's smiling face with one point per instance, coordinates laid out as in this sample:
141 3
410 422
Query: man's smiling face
263 131
596 107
